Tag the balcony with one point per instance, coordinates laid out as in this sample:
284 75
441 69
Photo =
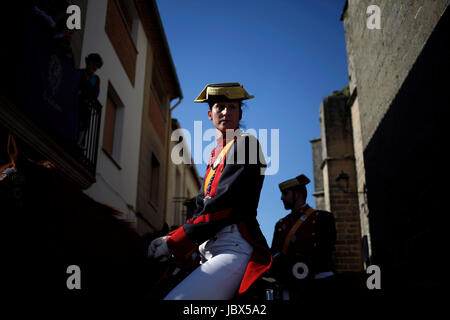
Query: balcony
40 105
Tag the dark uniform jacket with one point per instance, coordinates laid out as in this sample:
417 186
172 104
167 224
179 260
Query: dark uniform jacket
313 242
231 198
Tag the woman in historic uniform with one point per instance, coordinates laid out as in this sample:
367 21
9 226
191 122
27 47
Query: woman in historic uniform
233 250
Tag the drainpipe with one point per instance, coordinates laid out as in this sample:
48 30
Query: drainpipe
169 127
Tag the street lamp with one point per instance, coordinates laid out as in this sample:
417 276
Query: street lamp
342 176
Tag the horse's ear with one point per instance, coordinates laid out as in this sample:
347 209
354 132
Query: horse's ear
12 151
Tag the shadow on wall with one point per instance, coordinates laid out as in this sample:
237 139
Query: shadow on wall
404 170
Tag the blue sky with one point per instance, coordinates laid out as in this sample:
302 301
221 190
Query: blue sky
290 54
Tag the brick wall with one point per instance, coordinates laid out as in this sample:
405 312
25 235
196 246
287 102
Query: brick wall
338 156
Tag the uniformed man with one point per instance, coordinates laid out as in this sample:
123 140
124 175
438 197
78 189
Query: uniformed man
303 241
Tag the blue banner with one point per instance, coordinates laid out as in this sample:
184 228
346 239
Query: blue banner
50 83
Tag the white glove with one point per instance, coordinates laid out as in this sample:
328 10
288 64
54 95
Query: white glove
158 249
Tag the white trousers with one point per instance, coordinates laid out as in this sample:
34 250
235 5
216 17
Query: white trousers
224 260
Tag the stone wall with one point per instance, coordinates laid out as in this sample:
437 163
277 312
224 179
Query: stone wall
318 194
400 74
381 59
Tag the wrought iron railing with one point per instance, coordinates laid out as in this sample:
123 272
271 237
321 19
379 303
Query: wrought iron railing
89 149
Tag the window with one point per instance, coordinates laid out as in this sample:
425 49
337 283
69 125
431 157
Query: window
178 199
154 181
129 15
159 91
121 28
112 130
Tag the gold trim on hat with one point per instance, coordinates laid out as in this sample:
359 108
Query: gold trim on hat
300 180
289 184
231 90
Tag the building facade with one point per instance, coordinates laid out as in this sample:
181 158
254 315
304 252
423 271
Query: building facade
71 198
125 160
396 107
184 181
379 144
138 84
